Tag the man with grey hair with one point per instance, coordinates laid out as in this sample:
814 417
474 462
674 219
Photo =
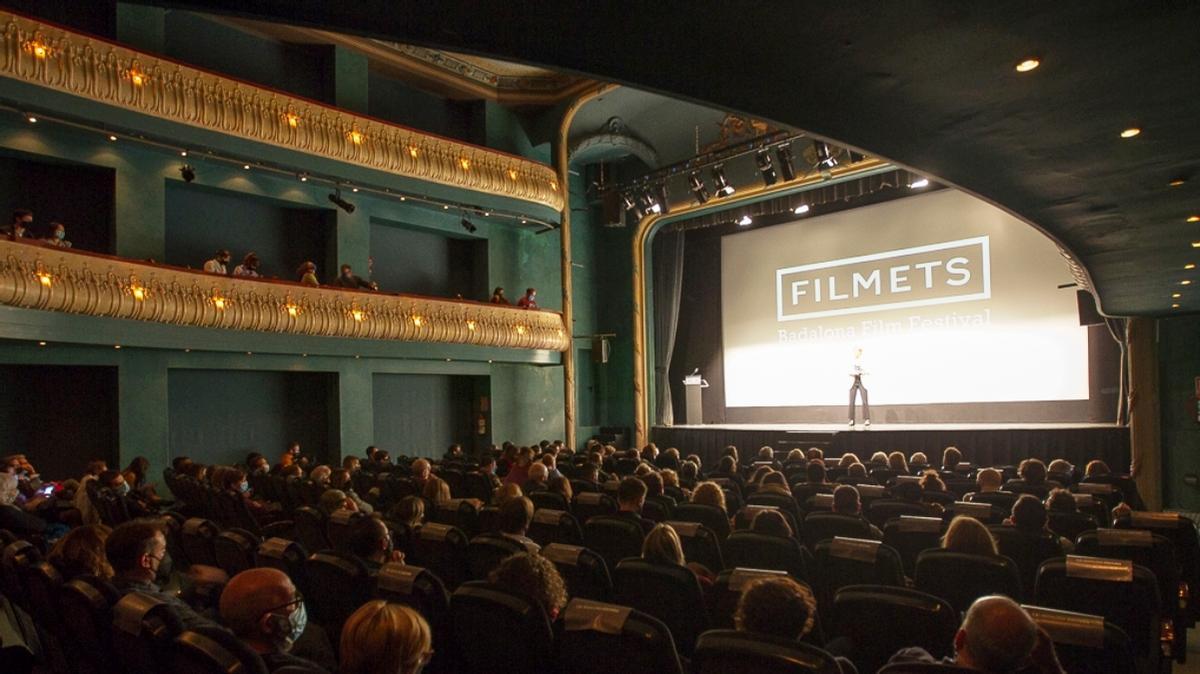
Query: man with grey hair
997 636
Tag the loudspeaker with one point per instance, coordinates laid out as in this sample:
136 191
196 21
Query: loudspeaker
600 349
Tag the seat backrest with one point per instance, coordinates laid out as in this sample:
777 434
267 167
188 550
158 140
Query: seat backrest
457 512
555 526
1085 644
961 578
710 516
339 526
142 630
744 519
882 510
1139 546
910 536
1182 533
721 651
1027 551
984 512
761 551
584 571
213 650
820 526
234 550
657 509
477 485
586 505
911 617
784 503
42 582
310 528
17 555
592 632
1003 500
1070 525
197 540
722 598
840 562
286 556
443 549
494 630
549 499
422 590
668 592
338 585
614 538
486 551
1126 594
700 545
85 607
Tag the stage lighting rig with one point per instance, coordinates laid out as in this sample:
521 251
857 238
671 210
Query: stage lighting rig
723 188
468 225
336 197
825 159
650 203
187 173
787 169
762 159
631 204
664 198
699 189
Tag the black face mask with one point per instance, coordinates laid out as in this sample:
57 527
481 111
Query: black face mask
163 575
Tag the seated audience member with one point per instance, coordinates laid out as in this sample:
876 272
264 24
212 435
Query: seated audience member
114 480
1061 501
421 470
795 457
669 459
989 480
897 463
340 479
631 496
513 521
662 546
814 454
671 483
263 609
529 300
918 459
710 494
1029 517
257 464
436 491
561 486
487 468
58 236
82 502
997 636
1096 468
348 279
518 473
538 474
454 453
306 274
320 475
18 228
782 608
216 264
969 535
550 461
911 492
506 491
846 461
498 297
846 501
931 482
137 551
81 553
1031 478
351 464
535 577
235 481
878 460
951 457
385 638
856 473
409 511
333 500
815 474
774 482
1060 467
771 523
756 477
249 266
371 541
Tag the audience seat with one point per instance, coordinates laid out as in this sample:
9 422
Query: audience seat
821 526
841 562
710 516
786 504
422 590
961 578
1027 551
442 549
460 513
339 584
761 551
898 618
85 606
476 486
657 509
984 512
213 650
16 556
925 668
910 536
1181 532
586 505
593 632
310 528
489 519
554 526
197 540
744 518
1070 525
583 570
234 550
668 592
1143 548
287 556
1126 594
42 585
700 545
882 510
722 598
142 630
497 631
1085 644
724 651
339 527
549 500
486 551
1003 500
614 538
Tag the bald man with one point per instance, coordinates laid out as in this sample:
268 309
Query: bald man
262 607
997 636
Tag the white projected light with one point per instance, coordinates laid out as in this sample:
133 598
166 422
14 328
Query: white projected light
950 299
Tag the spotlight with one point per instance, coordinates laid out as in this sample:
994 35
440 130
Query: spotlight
744 221
699 189
664 198
468 225
187 173
336 198
32 119
825 158
303 177
787 170
801 209
762 159
650 203
112 138
723 188
918 184
1027 65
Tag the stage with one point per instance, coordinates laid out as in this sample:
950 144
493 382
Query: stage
986 444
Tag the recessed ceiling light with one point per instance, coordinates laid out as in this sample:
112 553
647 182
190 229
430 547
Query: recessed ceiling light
183 153
1177 182
919 183
1184 282
1130 132
32 119
1174 306
1193 218
1196 244
801 209
1189 266
246 166
744 221
41 344
1176 296
116 346
1027 65
112 138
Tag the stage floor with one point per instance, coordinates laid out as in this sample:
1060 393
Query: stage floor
835 428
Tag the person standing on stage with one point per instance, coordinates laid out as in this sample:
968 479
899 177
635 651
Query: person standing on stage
857 388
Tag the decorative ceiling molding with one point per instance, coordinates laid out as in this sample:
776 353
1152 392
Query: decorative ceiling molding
34 276
114 75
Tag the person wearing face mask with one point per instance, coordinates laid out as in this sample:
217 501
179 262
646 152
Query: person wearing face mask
12 516
19 227
114 480
262 607
348 279
217 265
58 236
529 301
137 552
371 541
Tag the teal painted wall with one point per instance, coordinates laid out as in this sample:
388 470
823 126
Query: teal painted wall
421 414
1179 357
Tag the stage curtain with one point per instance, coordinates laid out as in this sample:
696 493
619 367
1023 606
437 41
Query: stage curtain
668 284
1144 418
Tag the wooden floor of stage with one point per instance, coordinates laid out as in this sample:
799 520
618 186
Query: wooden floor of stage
836 428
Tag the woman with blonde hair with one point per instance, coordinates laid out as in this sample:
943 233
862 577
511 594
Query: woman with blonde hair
709 493
969 535
436 490
506 491
662 546
81 553
897 463
385 638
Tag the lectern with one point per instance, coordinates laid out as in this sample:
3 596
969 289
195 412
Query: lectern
692 385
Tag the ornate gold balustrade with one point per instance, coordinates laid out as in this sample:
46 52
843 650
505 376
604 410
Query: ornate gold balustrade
34 276
108 73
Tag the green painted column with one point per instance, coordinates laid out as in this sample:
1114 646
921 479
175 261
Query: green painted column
349 80
142 27
140 212
353 241
356 420
143 409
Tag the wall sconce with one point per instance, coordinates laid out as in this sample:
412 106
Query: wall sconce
292 309
418 321
512 174
38 49
139 293
465 164
520 329
412 151
358 315
471 326
293 120
137 78
219 302
44 278
356 137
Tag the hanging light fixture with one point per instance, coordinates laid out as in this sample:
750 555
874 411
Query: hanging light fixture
697 186
723 188
762 159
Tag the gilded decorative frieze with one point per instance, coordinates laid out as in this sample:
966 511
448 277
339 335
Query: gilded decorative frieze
116 75
40 277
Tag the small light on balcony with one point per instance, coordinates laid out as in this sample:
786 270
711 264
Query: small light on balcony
39 50
293 120
356 137
418 321
41 344
292 309
512 174
520 329
117 347
137 78
412 151
219 302
471 326
465 164
32 119
45 278
112 138
358 315
138 292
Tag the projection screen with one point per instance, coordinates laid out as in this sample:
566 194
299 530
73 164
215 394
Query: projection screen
950 299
